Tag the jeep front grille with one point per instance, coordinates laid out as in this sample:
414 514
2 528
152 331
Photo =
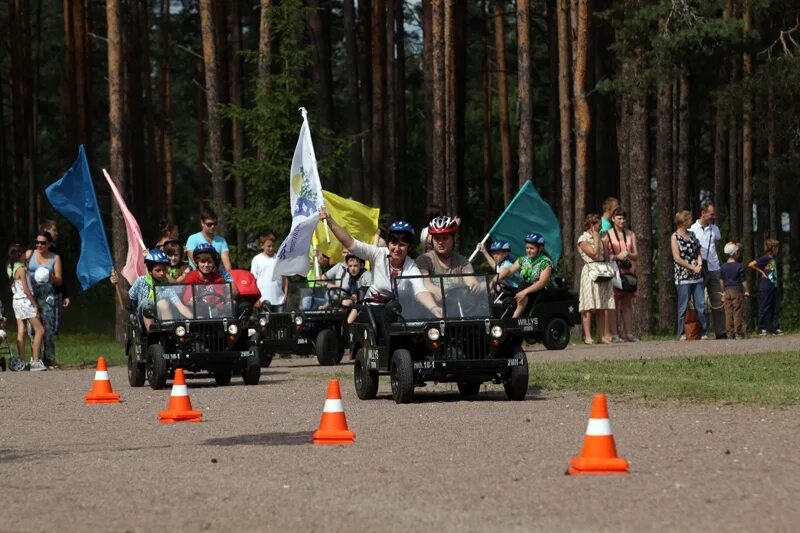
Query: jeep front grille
279 327
467 341
208 337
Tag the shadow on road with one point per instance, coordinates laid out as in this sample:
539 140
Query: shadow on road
263 439
423 396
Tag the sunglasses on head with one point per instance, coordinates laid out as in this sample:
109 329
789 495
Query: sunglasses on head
41 243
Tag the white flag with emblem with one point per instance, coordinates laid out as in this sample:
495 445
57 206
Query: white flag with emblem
305 193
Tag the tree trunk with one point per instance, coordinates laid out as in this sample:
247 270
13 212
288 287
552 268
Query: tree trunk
400 108
502 95
720 163
165 95
321 75
565 121
524 96
352 105
237 131
640 200
488 170
212 103
428 81
582 121
438 108
116 128
553 124
772 186
200 119
451 109
81 45
264 39
365 94
69 100
390 123
378 27
149 117
684 198
664 210
747 143
136 154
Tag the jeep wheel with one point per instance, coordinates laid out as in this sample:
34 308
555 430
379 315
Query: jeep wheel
136 370
556 334
265 358
222 377
327 348
156 367
516 384
469 390
402 376
365 380
251 374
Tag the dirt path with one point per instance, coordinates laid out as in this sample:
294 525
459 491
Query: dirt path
441 463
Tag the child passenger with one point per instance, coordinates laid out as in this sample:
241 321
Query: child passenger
25 309
497 257
177 268
143 289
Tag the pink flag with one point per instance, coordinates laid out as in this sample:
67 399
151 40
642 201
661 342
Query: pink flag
134 265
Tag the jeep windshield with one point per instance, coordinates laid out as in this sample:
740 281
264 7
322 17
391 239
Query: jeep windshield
180 301
461 296
307 295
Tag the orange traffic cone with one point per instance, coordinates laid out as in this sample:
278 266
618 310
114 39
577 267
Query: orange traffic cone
599 455
179 408
101 387
333 425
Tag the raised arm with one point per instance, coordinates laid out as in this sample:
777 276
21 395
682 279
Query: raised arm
489 259
341 234
506 272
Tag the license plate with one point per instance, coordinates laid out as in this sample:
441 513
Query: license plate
516 362
302 341
245 354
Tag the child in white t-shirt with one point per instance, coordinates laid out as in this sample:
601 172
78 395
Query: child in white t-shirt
262 267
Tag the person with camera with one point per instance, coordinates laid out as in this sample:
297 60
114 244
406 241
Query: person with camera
621 247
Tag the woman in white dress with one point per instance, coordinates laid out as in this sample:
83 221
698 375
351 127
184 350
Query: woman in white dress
596 296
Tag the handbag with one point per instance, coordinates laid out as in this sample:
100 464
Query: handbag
628 282
600 271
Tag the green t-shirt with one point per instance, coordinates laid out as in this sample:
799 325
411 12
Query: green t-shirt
531 269
605 224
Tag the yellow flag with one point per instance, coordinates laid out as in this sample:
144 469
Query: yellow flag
359 220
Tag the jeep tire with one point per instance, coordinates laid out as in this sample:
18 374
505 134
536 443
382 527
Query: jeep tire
516 384
222 377
328 348
251 374
556 334
365 380
136 370
156 367
402 376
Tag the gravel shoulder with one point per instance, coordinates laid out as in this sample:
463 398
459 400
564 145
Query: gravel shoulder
440 463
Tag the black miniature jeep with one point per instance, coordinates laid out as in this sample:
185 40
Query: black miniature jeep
548 318
311 323
467 346
213 338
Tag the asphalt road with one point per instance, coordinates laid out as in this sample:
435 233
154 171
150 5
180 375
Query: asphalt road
439 464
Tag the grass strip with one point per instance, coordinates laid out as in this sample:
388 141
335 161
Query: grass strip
769 379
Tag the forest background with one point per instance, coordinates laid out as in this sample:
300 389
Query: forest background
418 107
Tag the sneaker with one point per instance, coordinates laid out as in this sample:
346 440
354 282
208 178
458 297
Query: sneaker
682 338
738 337
762 333
36 366
778 331
616 340
631 338
704 338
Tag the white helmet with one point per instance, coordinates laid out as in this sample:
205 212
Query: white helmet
41 275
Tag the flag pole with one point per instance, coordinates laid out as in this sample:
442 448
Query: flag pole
475 252
138 237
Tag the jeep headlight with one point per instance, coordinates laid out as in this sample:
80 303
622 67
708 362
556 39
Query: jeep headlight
180 331
298 320
262 321
434 334
497 332
233 329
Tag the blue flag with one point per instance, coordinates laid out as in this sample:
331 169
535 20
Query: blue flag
73 198
528 213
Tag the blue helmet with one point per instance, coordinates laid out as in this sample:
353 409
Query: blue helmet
534 238
500 246
401 226
205 248
156 256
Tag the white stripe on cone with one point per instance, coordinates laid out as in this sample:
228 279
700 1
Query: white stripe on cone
333 406
101 375
179 390
598 427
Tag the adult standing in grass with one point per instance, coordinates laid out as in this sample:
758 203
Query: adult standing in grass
769 317
708 234
62 291
25 309
45 274
621 245
596 296
687 270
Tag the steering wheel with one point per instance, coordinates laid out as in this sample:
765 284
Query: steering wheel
460 301
337 294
